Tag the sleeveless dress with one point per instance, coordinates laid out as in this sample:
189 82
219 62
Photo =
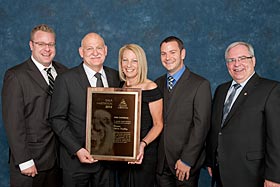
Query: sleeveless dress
139 175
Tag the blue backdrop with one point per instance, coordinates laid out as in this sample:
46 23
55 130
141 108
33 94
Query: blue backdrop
205 26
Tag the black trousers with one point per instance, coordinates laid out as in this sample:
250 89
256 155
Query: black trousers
103 177
168 179
216 177
47 178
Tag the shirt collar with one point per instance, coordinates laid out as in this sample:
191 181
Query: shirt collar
90 73
39 65
243 83
178 74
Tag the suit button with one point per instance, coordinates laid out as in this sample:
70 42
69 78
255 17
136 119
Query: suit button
220 133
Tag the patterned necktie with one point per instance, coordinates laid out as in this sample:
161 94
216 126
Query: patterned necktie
99 82
170 82
51 80
229 102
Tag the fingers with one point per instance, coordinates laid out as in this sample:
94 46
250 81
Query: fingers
209 171
85 157
30 172
181 175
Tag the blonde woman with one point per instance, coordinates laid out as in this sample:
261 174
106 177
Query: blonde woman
133 71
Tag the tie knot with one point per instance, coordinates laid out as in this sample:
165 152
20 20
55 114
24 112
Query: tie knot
98 75
170 78
236 86
48 70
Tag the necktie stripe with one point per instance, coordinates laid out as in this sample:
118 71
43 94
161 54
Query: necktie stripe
228 102
170 82
51 79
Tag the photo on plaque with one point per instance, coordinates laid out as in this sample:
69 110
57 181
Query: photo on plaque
113 123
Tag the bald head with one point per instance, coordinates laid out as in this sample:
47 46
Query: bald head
92 36
93 51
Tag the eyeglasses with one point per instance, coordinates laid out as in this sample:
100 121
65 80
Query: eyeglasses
241 59
43 45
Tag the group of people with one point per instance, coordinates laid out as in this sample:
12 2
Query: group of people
235 135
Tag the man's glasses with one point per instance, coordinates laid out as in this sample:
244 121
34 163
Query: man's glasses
241 59
43 45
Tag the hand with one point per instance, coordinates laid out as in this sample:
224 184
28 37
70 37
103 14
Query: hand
268 183
31 171
182 170
209 171
85 157
140 156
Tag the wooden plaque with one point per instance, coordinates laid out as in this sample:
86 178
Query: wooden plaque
113 123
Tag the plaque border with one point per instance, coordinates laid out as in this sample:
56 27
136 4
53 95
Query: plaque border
137 120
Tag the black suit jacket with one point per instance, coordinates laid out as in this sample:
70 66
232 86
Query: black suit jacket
68 115
248 145
25 107
186 121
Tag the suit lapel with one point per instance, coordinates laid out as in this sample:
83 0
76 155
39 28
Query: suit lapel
36 75
180 87
237 105
109 76
84 82
58 68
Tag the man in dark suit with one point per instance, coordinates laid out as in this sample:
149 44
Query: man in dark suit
68 114
26 96
243 146
187 110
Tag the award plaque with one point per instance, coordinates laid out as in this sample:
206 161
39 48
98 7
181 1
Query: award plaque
113 123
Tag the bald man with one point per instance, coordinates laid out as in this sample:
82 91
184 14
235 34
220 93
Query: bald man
68 114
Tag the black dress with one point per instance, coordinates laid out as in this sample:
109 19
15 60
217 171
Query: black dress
139 175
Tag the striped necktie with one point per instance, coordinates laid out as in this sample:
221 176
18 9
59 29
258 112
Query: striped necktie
51 80
170 82
228 102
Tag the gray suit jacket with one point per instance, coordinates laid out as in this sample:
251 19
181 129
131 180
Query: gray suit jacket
25 109
187 111
68 115
249 143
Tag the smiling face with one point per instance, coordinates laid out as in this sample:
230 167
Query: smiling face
42 46
172 57
129 64
240 70
93 51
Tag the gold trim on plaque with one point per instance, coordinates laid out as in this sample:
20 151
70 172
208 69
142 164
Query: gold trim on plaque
113 123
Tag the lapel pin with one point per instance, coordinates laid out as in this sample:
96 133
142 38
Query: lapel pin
245 93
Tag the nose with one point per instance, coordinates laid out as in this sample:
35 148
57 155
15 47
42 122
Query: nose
167 57
237 62
47 47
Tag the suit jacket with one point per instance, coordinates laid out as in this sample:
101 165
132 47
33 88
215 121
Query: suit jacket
187 111
68 115
248 145
25 107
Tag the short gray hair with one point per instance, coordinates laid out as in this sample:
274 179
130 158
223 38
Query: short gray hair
249 46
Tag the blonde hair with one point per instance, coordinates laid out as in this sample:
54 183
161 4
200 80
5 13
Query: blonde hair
142 62
41 27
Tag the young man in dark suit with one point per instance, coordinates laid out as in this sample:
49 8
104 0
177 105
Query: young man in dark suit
187 110
26 96
68 114
243 146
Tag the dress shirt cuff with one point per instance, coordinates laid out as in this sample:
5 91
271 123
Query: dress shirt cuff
26 164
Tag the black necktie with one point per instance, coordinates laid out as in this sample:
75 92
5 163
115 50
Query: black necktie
170 82
229 102
99 82
51 79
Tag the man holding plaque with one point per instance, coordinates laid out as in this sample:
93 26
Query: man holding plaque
187 109
68 114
